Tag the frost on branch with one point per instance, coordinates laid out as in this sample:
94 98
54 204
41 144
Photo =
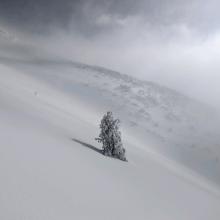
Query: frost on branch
110 137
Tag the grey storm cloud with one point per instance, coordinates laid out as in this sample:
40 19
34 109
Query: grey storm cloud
172 42
83 14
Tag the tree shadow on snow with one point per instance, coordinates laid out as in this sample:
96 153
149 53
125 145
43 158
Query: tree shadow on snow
93 148
88 146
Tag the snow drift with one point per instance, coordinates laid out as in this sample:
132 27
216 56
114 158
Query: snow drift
50 111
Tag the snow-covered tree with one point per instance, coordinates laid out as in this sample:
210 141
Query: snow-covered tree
110 137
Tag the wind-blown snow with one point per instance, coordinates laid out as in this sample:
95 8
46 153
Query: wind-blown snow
45 174
177 126
51 166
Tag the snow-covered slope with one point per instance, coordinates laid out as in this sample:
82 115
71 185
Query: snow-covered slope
49 169
178 127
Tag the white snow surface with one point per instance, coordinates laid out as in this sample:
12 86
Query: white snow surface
50 166
50 113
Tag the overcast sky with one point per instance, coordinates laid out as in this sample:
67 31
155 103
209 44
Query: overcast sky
173 42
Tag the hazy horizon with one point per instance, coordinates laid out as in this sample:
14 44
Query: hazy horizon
169 42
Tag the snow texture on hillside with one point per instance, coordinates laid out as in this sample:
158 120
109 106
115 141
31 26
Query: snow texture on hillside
50 170
51 166
177 126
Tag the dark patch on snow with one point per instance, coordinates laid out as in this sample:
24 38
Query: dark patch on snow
88 146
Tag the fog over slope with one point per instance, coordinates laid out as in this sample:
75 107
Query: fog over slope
50 170
180 127
173 43
53 93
